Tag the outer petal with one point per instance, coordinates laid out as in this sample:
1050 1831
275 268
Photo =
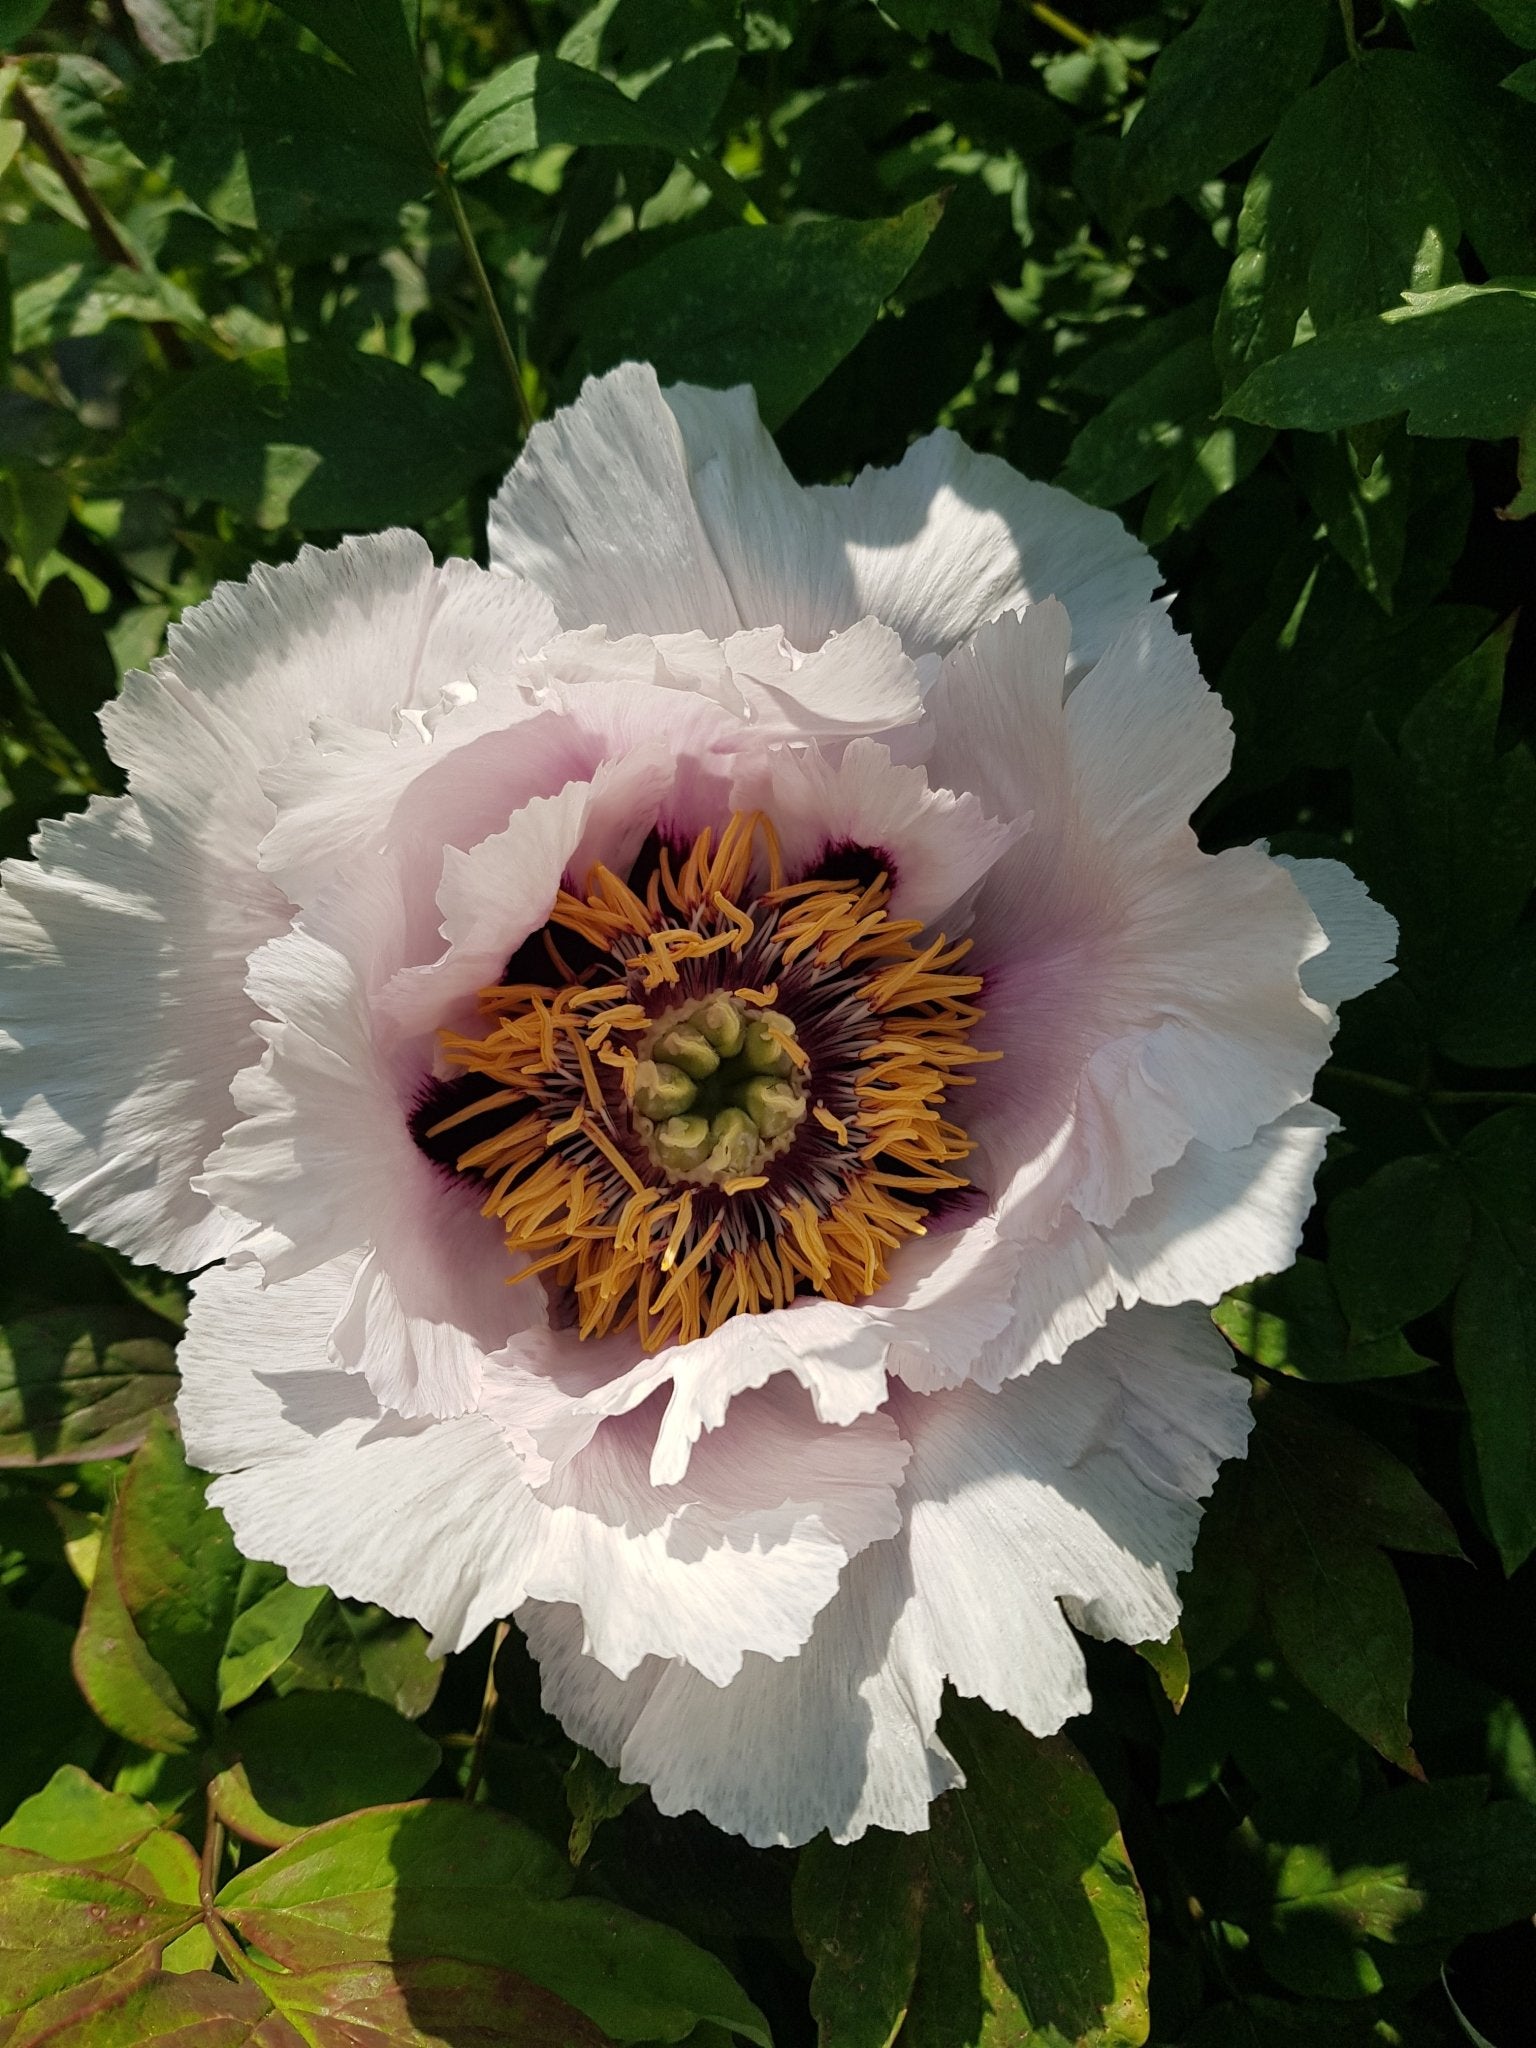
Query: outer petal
1077 1485
1362 937
657 512
438 1519
145 911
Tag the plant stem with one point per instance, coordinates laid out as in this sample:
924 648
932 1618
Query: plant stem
207 1890
103 229
488 1701
1347 15
1406 1092
1072 33
482 282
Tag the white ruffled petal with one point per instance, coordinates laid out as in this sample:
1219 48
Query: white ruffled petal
439 1519
661 512
123 1018
1077 1487
1362 937
144 912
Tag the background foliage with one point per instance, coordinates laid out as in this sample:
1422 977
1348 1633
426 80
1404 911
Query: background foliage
1261 274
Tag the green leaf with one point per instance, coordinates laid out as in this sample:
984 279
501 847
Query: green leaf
263 136
314 436
173 29
1364 512
776 307
594 1792
18 18
427 2002
1488 1014
127 1688
271 1615
80 1383
1170 1660
1495 1326
541 100
1034 1909
1346 210
196 2010
969 24
1461 361
75 1820
1293 1323
1320 1500
176 1567
1517 18
439 1879
34 506
1217 89
1445 831
1397 1245
859 1914
377 39
313 1757
66 1923
43 1719
1145 426
1522 81
350 1647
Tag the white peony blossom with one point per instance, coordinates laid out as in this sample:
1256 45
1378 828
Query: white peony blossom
709 1081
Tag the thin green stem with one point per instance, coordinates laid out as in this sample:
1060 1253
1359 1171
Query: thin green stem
725 188
229 1950
1069 30
482 282
488 1702
1347 16
1404 1091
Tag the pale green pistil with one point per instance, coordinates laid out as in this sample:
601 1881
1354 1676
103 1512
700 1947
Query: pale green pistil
716 1096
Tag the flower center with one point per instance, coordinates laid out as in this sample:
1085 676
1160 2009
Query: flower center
718 1090
703 1092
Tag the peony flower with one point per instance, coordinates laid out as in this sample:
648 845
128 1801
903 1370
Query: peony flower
710 1084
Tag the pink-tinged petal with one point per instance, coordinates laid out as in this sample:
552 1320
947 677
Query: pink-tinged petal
661 512
1076 1487
324 1163
499 892
438 1519
1362 937
144 912
948 1295
934 844
1143 994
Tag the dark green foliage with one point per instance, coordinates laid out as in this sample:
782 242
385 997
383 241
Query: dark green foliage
1259 275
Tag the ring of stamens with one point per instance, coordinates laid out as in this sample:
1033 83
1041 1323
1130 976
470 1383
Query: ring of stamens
725 1092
